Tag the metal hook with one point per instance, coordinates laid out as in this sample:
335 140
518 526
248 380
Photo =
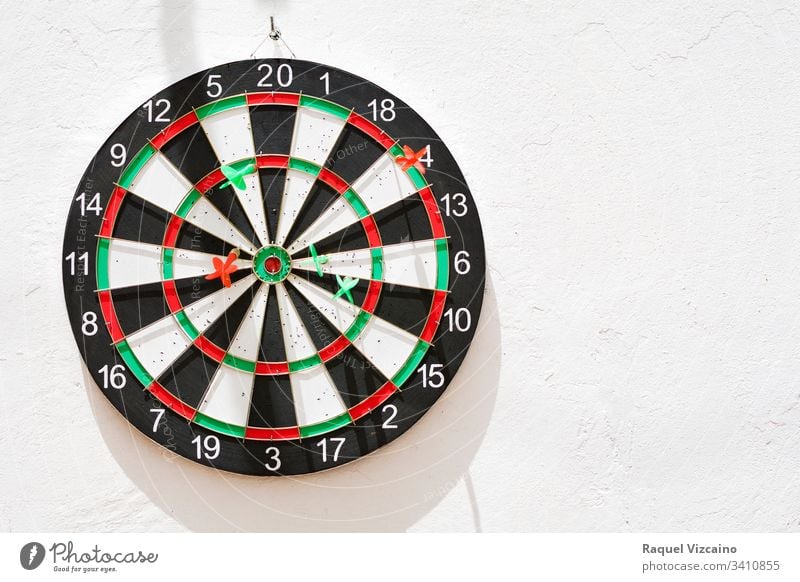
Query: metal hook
274 33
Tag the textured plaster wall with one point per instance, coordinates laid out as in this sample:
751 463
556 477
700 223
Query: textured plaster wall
637 170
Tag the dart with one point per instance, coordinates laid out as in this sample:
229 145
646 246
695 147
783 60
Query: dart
223 270
319 260
236 177
344 287
411 158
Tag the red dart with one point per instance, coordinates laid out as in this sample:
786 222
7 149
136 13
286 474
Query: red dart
410 158
223 270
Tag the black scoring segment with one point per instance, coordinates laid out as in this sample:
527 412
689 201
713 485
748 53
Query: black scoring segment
272 185
191 153
272 404
272 348
141 221
405 307
139 306
404 221
273 126
354 153
189 377
354 376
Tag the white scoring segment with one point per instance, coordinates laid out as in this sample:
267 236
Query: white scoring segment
315 134
159 344
203 312
231 136
206 216
295 191
228 396
385 345
338 216
160 183
136 263
383 184
412 264
315 396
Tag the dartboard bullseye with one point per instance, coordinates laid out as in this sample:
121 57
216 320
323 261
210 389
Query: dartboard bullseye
273 267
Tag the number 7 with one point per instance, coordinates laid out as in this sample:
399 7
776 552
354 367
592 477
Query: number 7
159 414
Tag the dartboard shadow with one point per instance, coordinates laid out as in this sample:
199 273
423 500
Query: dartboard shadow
388 490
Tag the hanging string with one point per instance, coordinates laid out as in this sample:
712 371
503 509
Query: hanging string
276 36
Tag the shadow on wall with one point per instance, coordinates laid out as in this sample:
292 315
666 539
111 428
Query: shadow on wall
389 490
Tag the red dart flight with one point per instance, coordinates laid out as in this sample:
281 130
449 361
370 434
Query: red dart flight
223 271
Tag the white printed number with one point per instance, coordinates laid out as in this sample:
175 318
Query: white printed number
458 320
461 262
383 110
118 155
455 204
214 86
432 376
283 75
323 444
89 325
113 377
392 409
274 456
207 447
72 259
157 111
93 205
159 412
427 159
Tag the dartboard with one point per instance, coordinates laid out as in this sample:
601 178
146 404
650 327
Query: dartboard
273 267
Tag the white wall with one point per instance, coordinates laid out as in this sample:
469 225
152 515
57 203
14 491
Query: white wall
636 165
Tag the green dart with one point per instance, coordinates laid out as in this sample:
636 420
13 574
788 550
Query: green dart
319 260
236 177
344 287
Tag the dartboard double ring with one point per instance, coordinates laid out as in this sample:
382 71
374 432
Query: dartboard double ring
273 267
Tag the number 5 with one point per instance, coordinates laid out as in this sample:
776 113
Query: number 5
214 86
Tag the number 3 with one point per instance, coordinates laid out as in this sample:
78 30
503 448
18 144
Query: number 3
274 455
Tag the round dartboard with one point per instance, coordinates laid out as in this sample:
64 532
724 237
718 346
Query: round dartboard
273 267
